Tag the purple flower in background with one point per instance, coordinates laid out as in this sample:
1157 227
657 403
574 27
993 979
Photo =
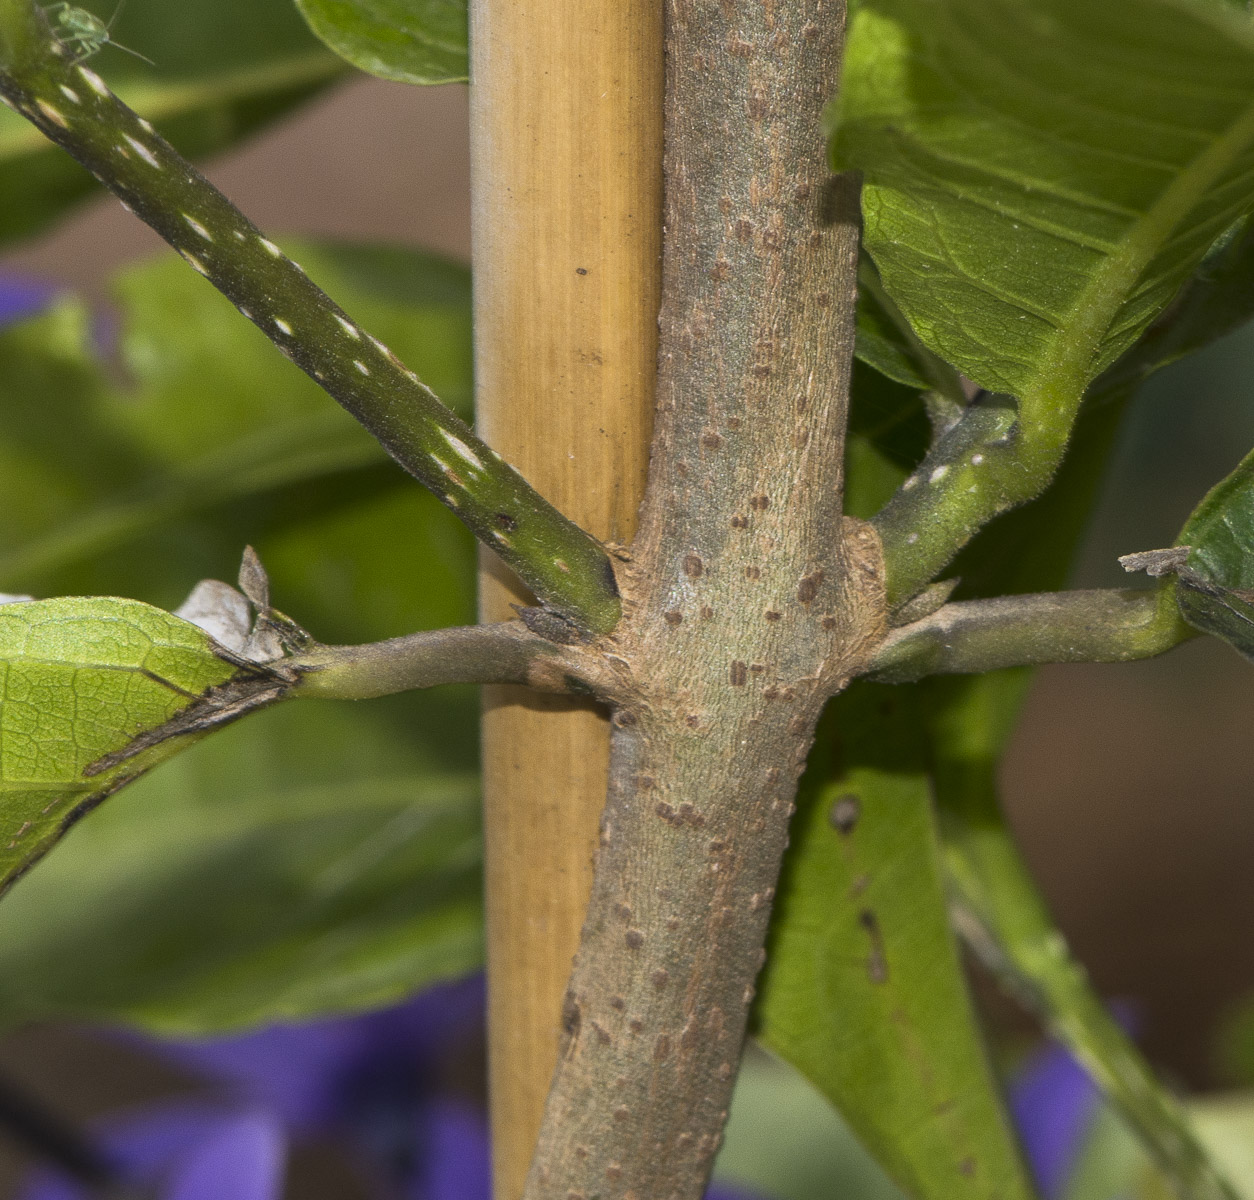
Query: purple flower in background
1052 1101
186 1151
373 1081
21 298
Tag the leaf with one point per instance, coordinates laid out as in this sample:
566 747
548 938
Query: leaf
298 863
863 990
1218 299
886 342
224 68
1043 175
209 416
1113 1164
181 936
80 679
888 435
785 1141
1216 586
411 41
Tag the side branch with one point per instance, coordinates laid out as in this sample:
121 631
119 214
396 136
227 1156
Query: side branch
566 568
507 652
974 636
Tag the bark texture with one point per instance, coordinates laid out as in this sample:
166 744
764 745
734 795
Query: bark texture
748 600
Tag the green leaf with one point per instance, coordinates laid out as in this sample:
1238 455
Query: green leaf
1218 299
1216 586
785 1141
886 342
80 679
863 990
301 862
209 418
411 41
1113 1164
224 69
888 435
376 792
1043 175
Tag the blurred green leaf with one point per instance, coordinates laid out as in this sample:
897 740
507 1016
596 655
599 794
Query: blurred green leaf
1041 177
785 1141
307 860
1112 1163
863 990
320 857
888 436
80 679
411 41
223 69
127 474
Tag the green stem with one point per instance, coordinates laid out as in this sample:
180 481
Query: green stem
1003 918
974 636
975 470
1000 913
567 569
507 652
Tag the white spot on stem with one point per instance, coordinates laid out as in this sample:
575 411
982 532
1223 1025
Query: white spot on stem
94 81
147 155
53 114
464 452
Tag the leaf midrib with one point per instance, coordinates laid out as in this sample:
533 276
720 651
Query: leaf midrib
1073 348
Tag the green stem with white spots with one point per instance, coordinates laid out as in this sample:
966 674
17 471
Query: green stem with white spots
569 570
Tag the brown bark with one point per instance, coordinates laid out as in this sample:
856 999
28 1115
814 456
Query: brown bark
748 601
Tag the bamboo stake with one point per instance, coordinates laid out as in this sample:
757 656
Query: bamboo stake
566 143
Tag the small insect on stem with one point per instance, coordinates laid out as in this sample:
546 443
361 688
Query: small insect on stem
85 33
